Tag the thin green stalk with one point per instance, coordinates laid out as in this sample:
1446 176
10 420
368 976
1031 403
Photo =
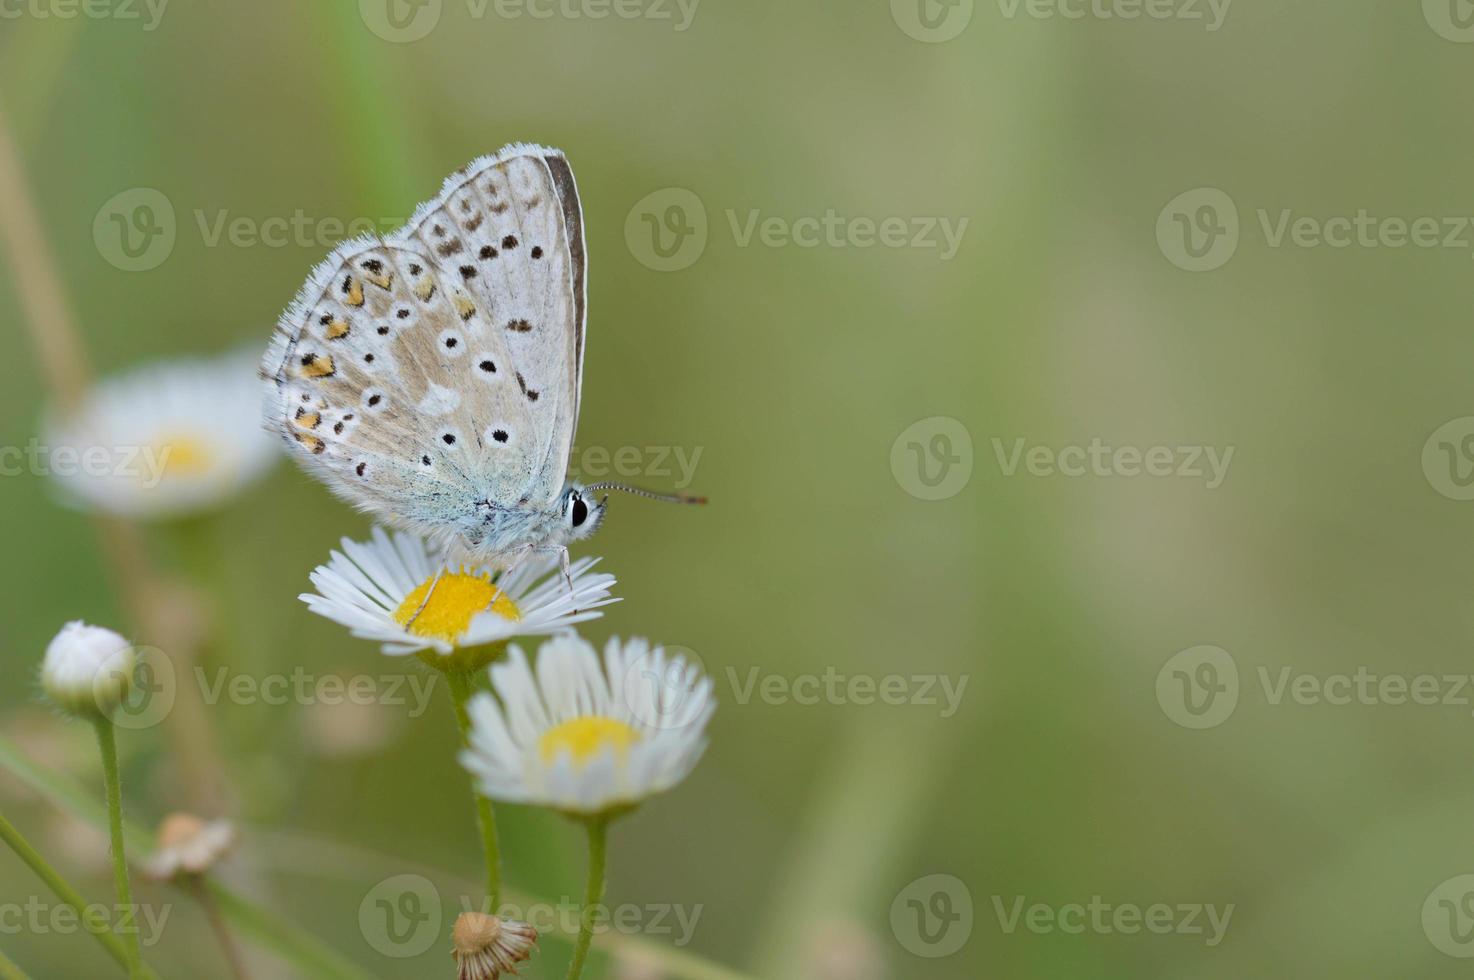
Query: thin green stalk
593 894
9 970
229 948
462 686
107 744
69 896
268 929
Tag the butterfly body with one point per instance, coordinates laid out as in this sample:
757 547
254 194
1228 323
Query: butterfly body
431 377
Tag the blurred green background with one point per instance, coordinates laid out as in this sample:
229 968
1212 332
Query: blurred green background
1064 317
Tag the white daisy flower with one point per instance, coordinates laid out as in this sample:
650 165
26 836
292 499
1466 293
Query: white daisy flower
585 736
376 587
164 440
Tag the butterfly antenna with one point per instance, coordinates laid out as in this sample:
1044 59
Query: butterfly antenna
669 498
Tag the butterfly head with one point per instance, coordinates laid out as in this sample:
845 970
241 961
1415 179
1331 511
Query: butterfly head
582 514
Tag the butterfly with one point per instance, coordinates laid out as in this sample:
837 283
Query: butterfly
431 377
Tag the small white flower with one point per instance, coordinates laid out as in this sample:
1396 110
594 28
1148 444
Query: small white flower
88 669
376 588
189 845
164 440
588 737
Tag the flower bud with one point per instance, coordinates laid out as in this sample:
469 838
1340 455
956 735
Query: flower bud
88 670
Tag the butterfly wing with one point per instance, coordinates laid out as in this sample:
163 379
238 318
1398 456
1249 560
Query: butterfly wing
427 374
509 228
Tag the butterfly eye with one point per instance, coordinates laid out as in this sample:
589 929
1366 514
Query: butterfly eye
578 513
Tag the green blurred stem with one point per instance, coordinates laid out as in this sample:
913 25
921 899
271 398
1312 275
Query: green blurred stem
462 686
9 970
593 894
107 745
69 896
228 946
266 928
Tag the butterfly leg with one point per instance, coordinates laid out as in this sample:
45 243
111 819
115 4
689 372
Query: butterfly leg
506 576
567 575
428 593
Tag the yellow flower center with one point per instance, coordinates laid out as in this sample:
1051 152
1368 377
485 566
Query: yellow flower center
457 598
583 738
184 455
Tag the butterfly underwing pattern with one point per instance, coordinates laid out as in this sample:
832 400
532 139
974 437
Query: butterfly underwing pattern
431 377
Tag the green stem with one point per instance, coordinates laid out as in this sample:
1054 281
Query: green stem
462 686
9 970
108 746
593 894
228 946
69 896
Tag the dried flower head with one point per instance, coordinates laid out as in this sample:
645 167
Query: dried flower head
486 946
189 845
